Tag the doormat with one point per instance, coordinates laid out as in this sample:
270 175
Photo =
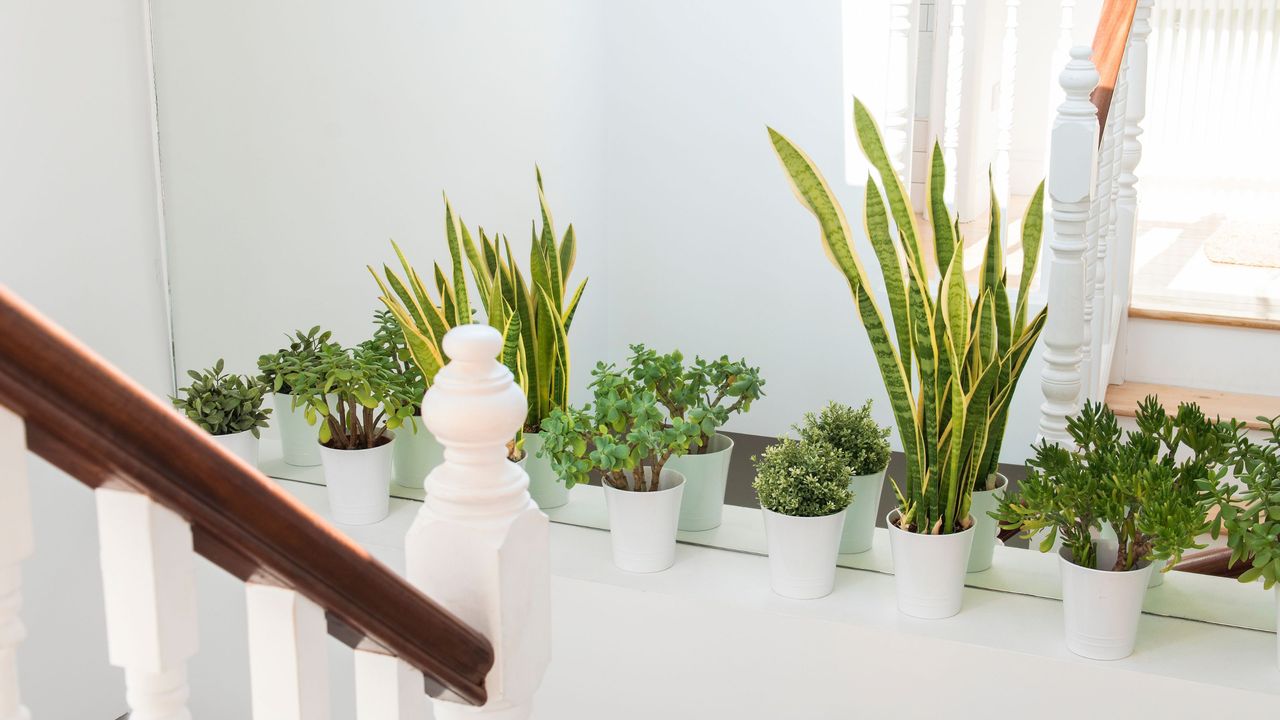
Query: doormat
1245 242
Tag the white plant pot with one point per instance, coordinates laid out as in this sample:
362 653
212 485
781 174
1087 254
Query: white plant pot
642 525
242 444
860 516
416 454
985 527
1278 625
802 553
929 570
358 482
298 444
1101 608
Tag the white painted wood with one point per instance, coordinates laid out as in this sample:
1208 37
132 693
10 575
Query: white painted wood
930 64
288 661
16 544
479 545
1071 185
148 579
954 105
898 120
1004 117
388 689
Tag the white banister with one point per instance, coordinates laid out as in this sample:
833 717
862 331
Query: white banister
148 578
288 660
1072 181
954 105
16 543
1005 118
898 121
387 688
479 545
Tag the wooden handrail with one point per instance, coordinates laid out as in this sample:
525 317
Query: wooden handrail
1214 561
87 418
1109 42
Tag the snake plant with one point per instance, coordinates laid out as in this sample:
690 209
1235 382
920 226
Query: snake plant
950 361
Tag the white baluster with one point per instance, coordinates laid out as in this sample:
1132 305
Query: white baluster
148 579
1104 326
16 543
1072 178
479 545
923 103
954 105
388 689
1008 74
898 118
288 659
1127 194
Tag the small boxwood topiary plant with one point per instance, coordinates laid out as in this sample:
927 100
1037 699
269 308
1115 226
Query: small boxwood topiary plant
280 368
802 478
223 404
854 433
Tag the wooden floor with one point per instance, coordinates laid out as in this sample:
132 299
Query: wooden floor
1124 399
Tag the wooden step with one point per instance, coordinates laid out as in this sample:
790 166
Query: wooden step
1203 318
1123 401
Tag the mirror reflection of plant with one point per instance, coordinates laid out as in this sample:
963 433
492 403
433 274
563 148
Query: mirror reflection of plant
704 393
1133 481
854 433
279 369
388 340
621 435
802 478
223 404
369 397
1251 512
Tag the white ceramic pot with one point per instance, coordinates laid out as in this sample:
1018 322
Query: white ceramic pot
642 525
1101 608
359 483
1278 625
705 478
545 487
242 444
802 553
416 454
985 527
860 516
928 570
298 444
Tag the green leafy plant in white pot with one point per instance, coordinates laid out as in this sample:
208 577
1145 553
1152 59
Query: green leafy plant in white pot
705 394
950 361
416 451
626 438
279 370
228 407
803 487
357 400
864 445
1148 485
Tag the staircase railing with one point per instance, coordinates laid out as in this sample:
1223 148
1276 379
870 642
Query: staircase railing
164 489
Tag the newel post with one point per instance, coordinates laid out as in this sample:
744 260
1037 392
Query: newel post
1073 169
479 545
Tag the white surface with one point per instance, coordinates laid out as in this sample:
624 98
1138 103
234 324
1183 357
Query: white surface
388 689
929 570
642 525
358 482
287 635
802 553
1101 609
1210 357
243 445
15 546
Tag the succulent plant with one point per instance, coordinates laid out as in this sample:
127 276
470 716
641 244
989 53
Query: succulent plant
223 404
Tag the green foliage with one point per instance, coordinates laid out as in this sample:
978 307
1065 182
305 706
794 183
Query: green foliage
1133 481
704 393
388 341
620 435
279 369
854 433
802 478
223 404
369 397
951 361
1251 511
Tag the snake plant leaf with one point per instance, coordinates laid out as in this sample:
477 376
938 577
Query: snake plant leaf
877 222
490 250
1032 235
955 309
572 307
546 245
568 252
461 314
446 296
545 350
433 312
410 303
873 147
483 279
944 239
423 349
992 261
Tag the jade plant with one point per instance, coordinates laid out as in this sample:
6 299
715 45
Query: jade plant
388 341
802 478
1148 485
702 393
368 396
952 358
279 369
223 404
1250 510
853 433
622 434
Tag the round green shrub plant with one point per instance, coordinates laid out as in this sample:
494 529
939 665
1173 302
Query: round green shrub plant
802 478
223 404
854 433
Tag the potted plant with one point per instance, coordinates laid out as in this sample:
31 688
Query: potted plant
278 371
415 451
625 437
864 446
1134 482
950 363
703 393
803 487
358 401
228 407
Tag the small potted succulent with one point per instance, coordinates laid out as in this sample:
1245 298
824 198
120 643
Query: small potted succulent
1135 482
228 407
358 401
865 448
704 394
279 370
803 487
415 451
625 437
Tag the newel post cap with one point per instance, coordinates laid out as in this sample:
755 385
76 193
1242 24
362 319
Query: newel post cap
473 401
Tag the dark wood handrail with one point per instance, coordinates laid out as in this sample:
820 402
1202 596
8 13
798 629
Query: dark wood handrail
90 420
1109 42
1214 561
